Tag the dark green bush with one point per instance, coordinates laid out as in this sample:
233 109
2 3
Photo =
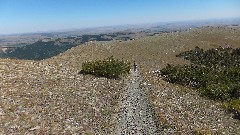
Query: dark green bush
213 57
215 72
109 68
185 75
219 91
233 107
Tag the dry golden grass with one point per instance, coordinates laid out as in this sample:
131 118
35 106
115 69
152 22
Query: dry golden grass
155 51
152 53
50 96
42 98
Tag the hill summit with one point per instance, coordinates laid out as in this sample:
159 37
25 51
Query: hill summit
51 97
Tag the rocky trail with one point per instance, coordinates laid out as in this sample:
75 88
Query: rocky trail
135 114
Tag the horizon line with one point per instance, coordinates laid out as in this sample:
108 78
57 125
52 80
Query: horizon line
118 25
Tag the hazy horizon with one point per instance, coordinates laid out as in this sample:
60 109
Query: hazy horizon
26 16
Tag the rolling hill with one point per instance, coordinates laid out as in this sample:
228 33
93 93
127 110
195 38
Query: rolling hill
49 96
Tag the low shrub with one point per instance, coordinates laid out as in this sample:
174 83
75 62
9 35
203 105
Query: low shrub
214 57
109 68
234 107
215 73
185 75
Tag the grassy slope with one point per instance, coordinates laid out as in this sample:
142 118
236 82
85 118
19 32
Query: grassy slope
153 53
150 53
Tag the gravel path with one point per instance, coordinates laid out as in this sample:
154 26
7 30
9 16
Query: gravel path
135 115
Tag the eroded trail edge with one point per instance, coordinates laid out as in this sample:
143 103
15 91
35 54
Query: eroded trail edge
135 115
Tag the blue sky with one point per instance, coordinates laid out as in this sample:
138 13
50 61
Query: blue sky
19 16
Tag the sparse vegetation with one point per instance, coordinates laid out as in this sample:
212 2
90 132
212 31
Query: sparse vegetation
219 57
64 103
215 73
234 107
50 97
109 68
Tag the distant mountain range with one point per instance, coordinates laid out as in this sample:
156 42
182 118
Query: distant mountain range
49 47
37 51
38 46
